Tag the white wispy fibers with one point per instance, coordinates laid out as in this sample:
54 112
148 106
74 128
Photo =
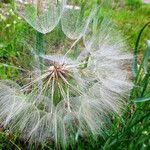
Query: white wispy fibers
43 113
108 64
42 15
21 110
74 97
75 23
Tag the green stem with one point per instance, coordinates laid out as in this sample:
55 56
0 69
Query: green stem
40 42
40 45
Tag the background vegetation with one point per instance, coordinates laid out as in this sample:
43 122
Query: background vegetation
132 130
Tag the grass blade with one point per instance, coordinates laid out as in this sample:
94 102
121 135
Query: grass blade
146 57
135 64
143 99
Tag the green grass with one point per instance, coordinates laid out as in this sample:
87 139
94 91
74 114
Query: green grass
129 132
130 20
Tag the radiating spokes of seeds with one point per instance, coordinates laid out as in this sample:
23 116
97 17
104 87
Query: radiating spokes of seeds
57 81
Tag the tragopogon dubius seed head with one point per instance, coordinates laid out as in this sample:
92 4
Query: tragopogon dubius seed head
42 15
68 98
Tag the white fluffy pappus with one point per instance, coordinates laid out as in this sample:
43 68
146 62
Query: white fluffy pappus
74 96
42 15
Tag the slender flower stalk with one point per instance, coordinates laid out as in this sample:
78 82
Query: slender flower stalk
39 7
40 46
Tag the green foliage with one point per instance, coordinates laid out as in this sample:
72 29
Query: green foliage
11 28
29 9
134 3
129 132
130 22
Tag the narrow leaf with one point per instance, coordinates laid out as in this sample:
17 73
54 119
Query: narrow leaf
143 99
135 64
146 57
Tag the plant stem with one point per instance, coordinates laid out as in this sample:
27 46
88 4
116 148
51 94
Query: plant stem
40 42
39 36
40 45
39 7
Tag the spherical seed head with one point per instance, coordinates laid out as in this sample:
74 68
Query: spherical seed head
68 98
42 15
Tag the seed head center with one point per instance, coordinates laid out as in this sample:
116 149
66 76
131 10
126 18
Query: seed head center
58 70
